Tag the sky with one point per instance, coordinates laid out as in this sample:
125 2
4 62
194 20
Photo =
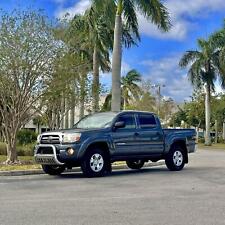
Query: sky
157 55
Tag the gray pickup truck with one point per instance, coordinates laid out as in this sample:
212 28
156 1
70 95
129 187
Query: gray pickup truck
100 139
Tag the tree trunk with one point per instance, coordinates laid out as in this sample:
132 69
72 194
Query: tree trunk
62 112
11 147
53 124
82 96
95 85
207 115
116 64
125 99
72 110
57 122
66 114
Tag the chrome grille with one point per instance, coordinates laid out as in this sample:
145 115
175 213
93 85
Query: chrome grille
50 139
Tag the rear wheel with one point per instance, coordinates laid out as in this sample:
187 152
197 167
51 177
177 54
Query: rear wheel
136 165
95 163
53 170
175 159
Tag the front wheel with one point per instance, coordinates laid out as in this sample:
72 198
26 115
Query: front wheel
95 163
53 170
175 159
136 165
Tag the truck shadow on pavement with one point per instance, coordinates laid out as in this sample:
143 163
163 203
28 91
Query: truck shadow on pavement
117 173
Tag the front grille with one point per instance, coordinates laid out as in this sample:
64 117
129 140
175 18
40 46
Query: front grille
45 150
50 139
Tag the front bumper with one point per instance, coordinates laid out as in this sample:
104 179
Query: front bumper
46 159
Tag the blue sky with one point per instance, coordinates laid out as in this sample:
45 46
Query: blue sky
158 54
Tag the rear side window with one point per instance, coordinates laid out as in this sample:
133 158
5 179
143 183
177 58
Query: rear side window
147 121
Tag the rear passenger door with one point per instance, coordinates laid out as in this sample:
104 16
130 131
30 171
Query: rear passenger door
150 135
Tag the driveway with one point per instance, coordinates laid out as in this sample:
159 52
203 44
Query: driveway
152 196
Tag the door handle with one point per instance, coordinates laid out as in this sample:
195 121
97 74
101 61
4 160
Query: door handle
136 134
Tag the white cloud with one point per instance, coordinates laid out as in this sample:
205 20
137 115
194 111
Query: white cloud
166 71
181 13
78 8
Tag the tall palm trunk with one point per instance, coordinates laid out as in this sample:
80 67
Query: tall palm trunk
116 61
95 85
207 115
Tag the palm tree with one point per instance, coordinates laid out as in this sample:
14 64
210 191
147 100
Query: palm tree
218 41
96 38
126 10
95 29
130 88
203 72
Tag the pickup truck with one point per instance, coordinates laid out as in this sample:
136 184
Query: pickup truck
100 139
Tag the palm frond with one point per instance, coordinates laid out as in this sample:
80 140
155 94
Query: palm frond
155 11
130 17
188 58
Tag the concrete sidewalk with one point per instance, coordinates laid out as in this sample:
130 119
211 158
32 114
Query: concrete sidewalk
39 171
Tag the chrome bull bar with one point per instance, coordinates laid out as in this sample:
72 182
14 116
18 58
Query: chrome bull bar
46 159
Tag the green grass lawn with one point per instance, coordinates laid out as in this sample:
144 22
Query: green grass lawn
27 163
219 146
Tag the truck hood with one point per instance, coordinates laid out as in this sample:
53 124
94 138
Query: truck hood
75 130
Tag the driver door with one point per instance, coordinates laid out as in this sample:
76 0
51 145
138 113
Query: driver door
124 138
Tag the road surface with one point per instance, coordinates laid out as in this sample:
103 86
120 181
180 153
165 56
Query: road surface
152 196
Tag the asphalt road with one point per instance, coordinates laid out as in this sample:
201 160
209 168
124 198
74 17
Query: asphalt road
153 196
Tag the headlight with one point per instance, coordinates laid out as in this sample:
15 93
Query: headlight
38 138
70 138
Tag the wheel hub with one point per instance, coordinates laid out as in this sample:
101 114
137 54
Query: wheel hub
96 162
178 158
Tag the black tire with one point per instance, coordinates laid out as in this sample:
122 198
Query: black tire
53 170
95 163
135 164
175 159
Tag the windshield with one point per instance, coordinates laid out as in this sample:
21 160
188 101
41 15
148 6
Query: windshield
99 120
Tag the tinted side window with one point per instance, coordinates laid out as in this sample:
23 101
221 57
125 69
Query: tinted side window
129 121
147 121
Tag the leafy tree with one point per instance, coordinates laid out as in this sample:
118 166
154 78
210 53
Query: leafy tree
27 52
146 101
126 10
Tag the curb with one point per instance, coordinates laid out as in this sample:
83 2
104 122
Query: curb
39 172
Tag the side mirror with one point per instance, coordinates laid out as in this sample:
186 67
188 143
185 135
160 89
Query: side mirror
119 124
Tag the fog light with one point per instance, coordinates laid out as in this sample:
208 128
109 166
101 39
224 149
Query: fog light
70 151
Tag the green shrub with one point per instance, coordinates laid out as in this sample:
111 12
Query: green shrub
25 150
22 150
26 136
